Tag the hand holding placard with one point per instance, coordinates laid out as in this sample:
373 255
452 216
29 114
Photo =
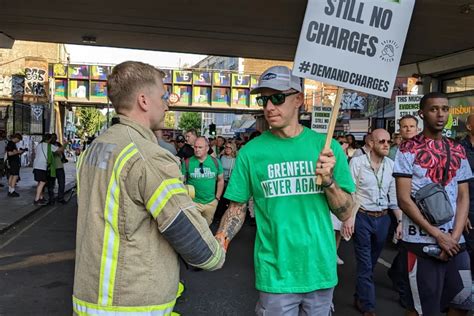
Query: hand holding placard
332 125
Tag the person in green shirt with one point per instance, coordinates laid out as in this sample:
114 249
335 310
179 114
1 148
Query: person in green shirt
206 175
295 250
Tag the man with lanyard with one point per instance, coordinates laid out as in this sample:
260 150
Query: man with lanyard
375 191
441 283
468 144
206 175
295 249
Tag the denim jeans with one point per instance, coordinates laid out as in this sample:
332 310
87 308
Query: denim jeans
370 234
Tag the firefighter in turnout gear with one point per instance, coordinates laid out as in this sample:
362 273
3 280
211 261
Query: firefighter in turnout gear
135 215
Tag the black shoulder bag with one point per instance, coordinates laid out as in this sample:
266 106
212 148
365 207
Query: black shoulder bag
432 199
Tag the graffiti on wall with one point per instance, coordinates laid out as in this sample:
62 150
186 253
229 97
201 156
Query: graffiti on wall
18 87
5 86
37 111
35 79
352 100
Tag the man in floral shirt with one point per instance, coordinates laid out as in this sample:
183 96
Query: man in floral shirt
443 283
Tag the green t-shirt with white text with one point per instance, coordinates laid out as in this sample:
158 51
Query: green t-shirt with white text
295 250
203 179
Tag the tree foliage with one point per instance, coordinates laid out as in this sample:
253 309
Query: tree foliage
90 121
190 120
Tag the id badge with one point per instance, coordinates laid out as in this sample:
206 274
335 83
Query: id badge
380 201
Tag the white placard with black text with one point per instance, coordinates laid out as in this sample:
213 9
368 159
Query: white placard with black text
321 118
407 105
353 44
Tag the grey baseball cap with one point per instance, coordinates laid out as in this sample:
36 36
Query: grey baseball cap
278 78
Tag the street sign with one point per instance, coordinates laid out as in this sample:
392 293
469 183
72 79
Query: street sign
354 44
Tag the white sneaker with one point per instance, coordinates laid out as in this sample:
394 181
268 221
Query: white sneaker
339 261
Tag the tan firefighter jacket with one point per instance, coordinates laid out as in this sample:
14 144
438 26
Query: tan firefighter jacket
134 217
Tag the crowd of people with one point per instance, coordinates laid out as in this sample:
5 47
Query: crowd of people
48 166
144 201
207 164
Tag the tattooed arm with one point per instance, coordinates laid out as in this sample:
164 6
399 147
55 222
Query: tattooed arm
231 223
340 202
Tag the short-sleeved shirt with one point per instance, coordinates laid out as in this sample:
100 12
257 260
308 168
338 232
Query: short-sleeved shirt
423 159
295 249
14 159
203 178
227 164
41 156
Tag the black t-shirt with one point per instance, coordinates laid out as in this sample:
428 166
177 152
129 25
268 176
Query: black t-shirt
11 146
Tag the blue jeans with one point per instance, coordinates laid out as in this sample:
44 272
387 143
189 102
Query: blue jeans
370 234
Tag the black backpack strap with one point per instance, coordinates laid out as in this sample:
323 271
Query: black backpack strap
448 162
216 163
186 165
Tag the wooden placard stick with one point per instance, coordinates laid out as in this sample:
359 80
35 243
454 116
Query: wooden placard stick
332 125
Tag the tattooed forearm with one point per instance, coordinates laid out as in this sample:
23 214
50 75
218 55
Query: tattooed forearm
231 223
340 202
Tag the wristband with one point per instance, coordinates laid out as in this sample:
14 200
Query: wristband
325 186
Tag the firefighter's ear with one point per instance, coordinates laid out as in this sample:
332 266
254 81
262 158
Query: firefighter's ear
143 101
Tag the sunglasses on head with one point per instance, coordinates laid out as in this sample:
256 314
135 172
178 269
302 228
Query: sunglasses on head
277 98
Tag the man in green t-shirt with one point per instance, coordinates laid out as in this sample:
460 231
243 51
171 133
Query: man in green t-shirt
203 171
295 250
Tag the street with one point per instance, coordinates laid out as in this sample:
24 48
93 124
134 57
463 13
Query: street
37 268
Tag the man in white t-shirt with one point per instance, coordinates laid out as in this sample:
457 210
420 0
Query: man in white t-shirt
40 167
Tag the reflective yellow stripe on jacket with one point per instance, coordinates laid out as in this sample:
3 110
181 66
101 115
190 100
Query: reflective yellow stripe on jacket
84 308
108 266
163 193
78 167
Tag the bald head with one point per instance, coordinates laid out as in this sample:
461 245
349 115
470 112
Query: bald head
380 143
201 146
380 134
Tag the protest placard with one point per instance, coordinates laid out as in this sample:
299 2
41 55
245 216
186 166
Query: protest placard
355 44
407 105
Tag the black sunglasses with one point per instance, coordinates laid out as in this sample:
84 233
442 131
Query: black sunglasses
277 98
201 168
